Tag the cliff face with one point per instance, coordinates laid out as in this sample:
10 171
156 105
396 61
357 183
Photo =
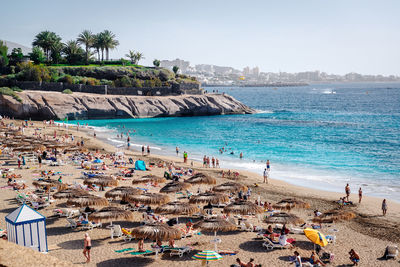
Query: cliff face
41 105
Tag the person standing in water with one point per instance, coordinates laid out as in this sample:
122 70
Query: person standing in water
241 155
148 150
359 195
177 151
268 168
142 150
87 246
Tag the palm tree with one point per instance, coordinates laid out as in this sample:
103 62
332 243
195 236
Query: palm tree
74 53
131 55
87 39
156 63
46 40
56 50
139 56
97 44
109 42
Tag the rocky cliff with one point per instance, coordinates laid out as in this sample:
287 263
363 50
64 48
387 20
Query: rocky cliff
41 105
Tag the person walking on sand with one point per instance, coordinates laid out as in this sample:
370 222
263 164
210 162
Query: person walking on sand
359 195
177 151
148 150
384 207
347 190
39 161
142 150
87 247
265 176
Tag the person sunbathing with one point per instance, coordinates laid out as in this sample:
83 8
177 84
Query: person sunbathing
314 259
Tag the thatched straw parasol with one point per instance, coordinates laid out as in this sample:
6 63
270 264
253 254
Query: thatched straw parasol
47 182
70 192
122 191
243 208
213 198
101 181
110 214
148 178
201 178
173 187
24 148
71 149
334 216
284 218
290 203
87 200
177 208
214 225
148 199
230 187
156 231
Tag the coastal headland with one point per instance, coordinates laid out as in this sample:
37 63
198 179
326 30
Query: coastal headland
47 105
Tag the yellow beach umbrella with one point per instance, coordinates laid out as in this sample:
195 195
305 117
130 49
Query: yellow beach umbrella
316 237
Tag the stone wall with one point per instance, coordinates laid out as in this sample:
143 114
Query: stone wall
175 89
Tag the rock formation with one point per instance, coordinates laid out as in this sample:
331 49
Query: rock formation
41 105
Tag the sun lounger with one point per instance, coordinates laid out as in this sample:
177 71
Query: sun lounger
90 225
270 245
116 231
180 251
141 252
39 205
72 223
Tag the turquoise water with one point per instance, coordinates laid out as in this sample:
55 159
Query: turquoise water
321 136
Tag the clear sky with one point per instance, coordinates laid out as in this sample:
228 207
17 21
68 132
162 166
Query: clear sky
336 36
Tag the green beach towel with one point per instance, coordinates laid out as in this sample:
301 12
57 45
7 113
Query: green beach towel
124 250
141 252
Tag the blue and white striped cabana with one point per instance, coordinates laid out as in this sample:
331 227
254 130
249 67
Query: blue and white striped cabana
27 227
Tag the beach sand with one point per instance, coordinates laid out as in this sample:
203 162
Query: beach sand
369 233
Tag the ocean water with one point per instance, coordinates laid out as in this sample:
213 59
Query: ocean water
320 136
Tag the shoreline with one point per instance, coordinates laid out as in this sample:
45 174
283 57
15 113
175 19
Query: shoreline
235 165
372 203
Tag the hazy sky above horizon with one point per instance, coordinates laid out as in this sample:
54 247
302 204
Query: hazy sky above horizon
338 36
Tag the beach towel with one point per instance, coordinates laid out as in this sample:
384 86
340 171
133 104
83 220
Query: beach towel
140 165
141 252
124 250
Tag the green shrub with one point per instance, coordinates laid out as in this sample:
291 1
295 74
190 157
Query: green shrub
10 92
16 89
30 72
67 91
106 82
66 79
124 81
92 81
137 83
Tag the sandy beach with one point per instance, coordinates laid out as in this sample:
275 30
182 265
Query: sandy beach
368 233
